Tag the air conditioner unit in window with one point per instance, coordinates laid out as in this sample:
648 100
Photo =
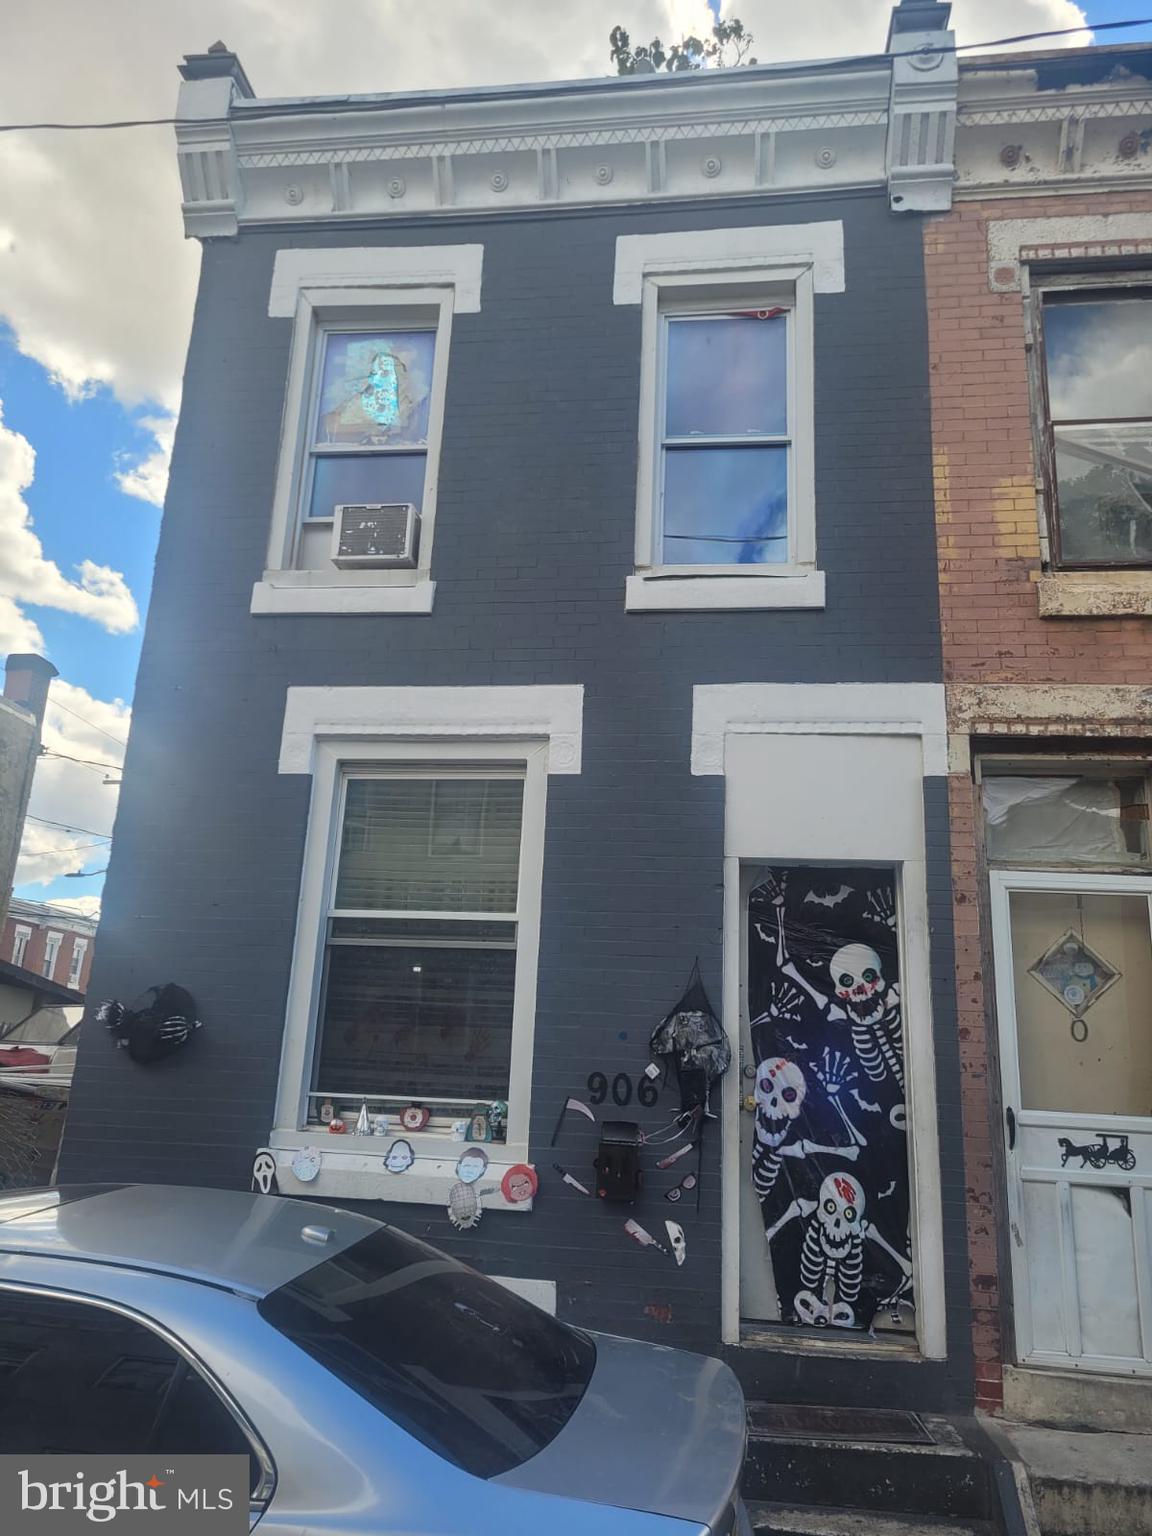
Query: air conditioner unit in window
380 533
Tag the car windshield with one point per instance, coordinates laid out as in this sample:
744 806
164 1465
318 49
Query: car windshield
476 1373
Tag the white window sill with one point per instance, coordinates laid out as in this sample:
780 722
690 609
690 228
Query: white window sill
660 592
1095 594
275 595
350 1171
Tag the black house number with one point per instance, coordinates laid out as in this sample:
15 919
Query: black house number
621 1088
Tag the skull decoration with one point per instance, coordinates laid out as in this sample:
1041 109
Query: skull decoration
780 1090
859 982
840 1212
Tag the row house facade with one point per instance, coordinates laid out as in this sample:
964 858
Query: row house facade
50 941
581 563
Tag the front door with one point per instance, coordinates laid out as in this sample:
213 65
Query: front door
824 1143
1073 958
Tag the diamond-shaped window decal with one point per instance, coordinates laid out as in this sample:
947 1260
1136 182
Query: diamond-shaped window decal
1074 973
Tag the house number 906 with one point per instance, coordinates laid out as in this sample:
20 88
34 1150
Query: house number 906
646 1091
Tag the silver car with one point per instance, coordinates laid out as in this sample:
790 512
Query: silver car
375 1384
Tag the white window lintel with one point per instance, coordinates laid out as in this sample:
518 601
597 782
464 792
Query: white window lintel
389 266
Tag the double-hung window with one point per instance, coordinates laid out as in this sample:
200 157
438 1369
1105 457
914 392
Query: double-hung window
79 950
726 426
51 952
418 996
1095 421
20 944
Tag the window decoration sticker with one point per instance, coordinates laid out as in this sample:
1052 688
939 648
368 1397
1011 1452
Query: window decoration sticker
364 1121
464 1208
376 389
1076 976
399 1156
677 1241
306 1164
158 1023
578 1107
829 1124
571 1181
519 1184
641 1235
414 1117
264 1173
1100 1153
472 1165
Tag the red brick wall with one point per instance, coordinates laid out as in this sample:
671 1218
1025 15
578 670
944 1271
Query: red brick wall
34 953
989 558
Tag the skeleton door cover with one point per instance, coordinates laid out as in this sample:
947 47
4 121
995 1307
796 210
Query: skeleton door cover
830 1155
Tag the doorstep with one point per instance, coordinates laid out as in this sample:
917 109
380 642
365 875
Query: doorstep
1078 1400
1082 1483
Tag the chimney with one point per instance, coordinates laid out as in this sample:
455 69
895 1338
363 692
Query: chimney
219 63
26 679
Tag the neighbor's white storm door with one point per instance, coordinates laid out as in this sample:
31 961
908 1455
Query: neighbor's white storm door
1073 961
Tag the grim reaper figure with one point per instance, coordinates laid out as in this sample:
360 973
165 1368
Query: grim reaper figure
824 1002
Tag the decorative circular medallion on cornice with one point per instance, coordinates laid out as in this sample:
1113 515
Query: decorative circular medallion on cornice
499 181
1011 156
712 165
294 195
1129 146
397 186
926 57
604 174
825 157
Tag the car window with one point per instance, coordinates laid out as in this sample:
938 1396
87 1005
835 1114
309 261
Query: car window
79 1379
479 1375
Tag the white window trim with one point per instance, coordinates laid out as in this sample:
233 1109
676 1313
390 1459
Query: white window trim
377 287
76 965
51 954
352 1169
20 940
797 583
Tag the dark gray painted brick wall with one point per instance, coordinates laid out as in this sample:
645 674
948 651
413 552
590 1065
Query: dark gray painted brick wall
533 542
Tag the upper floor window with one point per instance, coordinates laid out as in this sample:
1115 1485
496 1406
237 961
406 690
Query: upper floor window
1097 423
20 944
725 444
1081 814
79 950
51 952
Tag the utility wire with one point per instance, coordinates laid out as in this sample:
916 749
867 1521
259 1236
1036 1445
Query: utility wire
818 66
86 762
91 724
105 837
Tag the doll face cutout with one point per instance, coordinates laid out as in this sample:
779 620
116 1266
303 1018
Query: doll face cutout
399 1157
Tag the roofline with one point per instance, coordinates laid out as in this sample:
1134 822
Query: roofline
16 976
997 62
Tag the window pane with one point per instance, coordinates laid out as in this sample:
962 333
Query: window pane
483 1378
1098 352
364 477
1083 957
728 375
426 930
433 845
375 387
1104 485
417 1022
1050 819
725 506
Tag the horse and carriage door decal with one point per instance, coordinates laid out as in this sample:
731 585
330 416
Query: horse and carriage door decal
1073 956
826 1242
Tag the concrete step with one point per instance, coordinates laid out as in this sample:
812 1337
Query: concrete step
806 1520
939 1478
1084 1483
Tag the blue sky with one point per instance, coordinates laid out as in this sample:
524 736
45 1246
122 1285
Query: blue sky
96 276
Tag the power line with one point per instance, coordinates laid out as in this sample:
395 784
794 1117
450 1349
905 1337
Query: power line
86 762
818 66
75 848
64 827
91 724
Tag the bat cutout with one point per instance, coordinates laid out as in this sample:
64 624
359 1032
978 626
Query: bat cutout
884 1193
873 1109
833 899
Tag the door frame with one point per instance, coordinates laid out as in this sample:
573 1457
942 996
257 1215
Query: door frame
926 1211
1001 883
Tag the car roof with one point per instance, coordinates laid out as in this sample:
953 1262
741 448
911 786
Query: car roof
241 1242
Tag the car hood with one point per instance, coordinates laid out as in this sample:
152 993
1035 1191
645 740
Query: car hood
657 1429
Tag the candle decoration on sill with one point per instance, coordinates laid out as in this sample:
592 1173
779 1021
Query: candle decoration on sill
306 1164
364 1120
399 1156
460 1130
414 1117
380 1125
158 1023
264 1173
480 1125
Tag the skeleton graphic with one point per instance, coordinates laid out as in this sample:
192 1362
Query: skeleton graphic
862 999
832 1256
780 1093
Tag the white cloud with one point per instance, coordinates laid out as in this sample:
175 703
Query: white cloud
83 906
146 476
76 726
98 592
